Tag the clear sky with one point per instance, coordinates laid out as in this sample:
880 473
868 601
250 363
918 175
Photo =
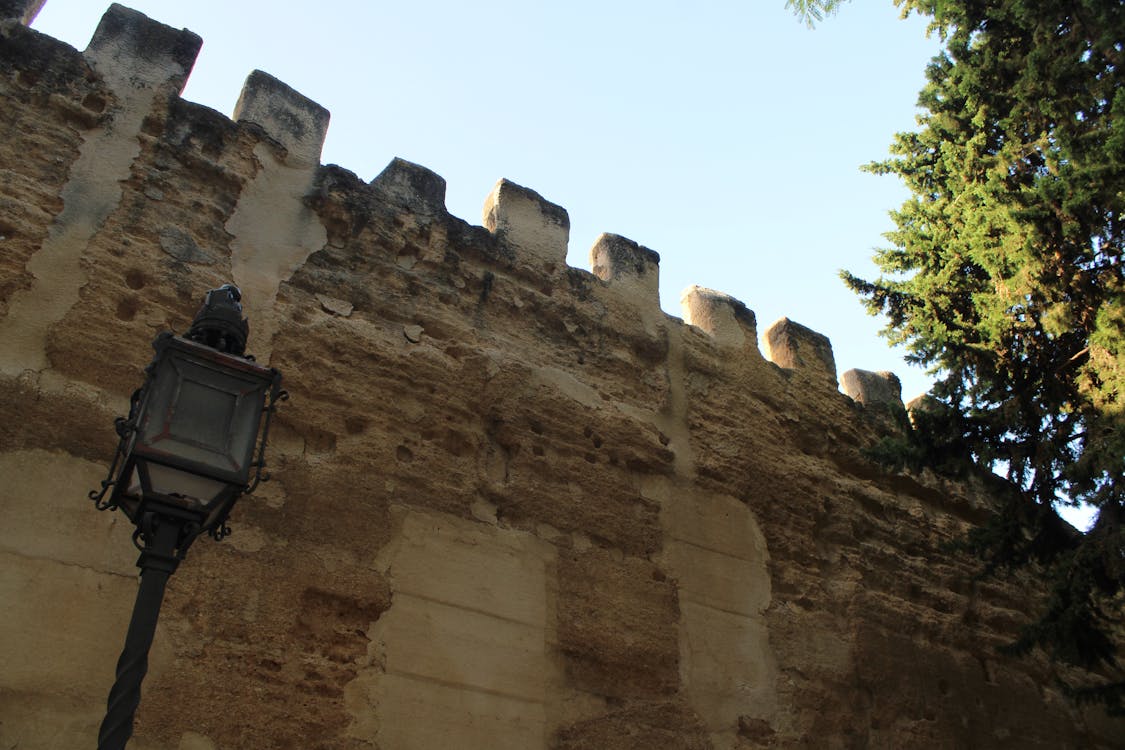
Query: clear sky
724 135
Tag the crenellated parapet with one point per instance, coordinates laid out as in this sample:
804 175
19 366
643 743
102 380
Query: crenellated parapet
515 504
273 231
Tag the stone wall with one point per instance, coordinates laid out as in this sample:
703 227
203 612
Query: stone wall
515 504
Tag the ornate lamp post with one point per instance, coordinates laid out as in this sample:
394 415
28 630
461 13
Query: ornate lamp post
188 449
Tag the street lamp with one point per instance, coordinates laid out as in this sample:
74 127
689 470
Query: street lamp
193 437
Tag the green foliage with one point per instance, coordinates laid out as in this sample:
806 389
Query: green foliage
1005 278
928 441
813 12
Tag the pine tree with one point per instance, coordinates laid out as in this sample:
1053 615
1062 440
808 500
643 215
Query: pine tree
1005 278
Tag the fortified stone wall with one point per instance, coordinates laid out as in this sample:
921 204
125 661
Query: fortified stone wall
515 504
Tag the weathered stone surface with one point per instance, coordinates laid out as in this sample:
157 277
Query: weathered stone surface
633 269
872 388
716 553
728 321
295 121
514 503
534 227
462 655
412 186
792 345
140 61
23 11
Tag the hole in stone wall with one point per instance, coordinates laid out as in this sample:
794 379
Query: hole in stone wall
94 102
355 425
319 442
407 257
127 308
135 278
455 443
152 126
404 454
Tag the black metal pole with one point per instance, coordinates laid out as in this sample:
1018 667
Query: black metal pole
157 563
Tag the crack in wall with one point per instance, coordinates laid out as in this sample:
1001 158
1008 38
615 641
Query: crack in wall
67 564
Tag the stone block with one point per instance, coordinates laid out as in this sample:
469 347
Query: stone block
463 647
631 268
290 118
729 322
469 565
870 388
133 51
718 556
412 186
37 721
60 525
62 627
422 715
479 651
793 346
729 665
535 228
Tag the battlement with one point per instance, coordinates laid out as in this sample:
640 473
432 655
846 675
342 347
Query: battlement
515 504
130 51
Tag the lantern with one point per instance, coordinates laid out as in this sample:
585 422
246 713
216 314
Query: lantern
193 443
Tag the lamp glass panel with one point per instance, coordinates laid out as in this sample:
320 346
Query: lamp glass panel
202 416
170 482
152 481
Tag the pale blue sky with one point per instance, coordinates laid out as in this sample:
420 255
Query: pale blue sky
724 135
